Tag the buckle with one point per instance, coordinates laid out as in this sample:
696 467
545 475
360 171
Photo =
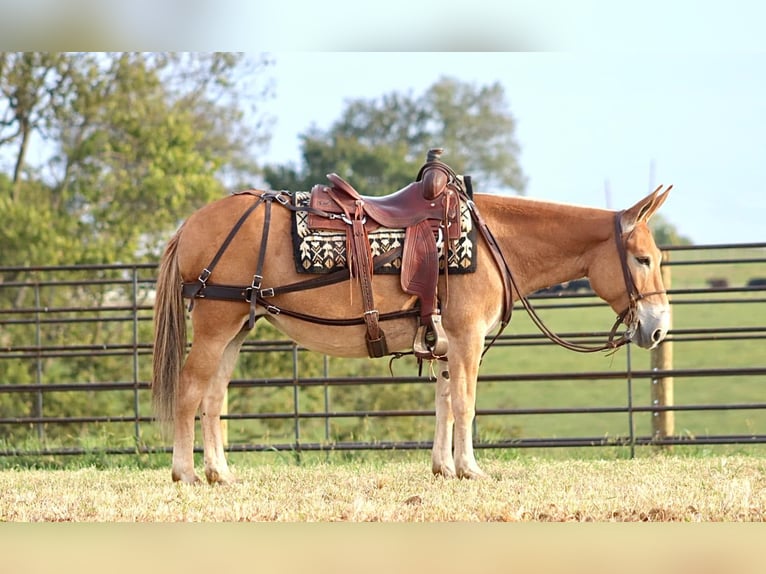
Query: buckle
347 221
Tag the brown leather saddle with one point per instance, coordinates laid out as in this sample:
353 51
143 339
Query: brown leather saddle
427 209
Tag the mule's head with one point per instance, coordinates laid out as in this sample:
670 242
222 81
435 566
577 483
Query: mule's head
631 281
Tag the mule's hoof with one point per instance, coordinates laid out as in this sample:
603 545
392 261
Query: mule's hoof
185 477
445 471
216 477
474 473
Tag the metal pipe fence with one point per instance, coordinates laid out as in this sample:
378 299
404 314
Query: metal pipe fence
75 362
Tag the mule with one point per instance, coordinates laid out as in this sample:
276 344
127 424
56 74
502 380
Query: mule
542 244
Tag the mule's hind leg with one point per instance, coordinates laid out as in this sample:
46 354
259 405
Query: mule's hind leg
216 467
198 369
215 327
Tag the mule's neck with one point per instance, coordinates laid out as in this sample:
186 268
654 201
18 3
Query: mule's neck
545 243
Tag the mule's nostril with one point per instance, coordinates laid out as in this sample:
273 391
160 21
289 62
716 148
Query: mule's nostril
657 336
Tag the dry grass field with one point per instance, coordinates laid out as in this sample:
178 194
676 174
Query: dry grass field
657 489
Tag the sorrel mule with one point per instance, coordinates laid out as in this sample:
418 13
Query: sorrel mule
542 244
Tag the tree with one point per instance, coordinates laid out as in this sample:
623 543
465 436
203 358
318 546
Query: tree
130 144
33 85
665 233
380 144
135 142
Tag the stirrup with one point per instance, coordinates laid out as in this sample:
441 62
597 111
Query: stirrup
431 340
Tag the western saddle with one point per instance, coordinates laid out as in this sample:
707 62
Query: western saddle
427 209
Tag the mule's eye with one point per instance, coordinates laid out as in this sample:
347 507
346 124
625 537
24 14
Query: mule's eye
644 260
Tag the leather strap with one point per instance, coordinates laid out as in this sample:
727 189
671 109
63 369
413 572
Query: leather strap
362 266
258 277
634 295
207 271
503 268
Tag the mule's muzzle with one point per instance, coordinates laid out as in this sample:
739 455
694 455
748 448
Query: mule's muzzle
651 326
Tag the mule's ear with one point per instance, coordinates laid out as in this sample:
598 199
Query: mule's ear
644 209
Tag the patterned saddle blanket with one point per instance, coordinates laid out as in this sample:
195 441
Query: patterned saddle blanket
325 251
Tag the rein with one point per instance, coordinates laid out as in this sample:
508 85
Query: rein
634 295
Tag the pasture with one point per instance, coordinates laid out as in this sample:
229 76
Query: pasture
658 489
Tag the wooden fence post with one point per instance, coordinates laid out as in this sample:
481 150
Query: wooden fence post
663 422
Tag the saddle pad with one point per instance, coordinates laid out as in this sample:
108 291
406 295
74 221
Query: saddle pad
325 251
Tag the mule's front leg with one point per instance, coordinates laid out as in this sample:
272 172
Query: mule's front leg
465 460
442 462
463 379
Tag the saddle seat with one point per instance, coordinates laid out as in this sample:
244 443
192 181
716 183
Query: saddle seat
399 210
425 208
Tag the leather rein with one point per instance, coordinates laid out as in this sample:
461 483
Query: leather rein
255 295
628 315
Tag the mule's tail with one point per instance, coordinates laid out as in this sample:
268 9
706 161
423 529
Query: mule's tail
169 333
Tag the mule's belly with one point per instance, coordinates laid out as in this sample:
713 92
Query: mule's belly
346 342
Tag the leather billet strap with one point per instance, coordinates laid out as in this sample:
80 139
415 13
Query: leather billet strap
362 269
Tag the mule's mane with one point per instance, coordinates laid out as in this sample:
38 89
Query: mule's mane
546 242
533 207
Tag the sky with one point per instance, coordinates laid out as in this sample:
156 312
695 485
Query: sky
587 122
606 94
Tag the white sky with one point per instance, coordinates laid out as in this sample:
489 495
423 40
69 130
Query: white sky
583 119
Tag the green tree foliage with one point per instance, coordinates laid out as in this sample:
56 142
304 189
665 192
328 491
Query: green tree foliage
665 233
135 142
379 144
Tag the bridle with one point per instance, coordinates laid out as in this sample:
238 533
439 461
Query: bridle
627 316
634 295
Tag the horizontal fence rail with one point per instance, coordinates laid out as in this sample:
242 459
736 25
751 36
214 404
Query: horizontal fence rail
76 350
